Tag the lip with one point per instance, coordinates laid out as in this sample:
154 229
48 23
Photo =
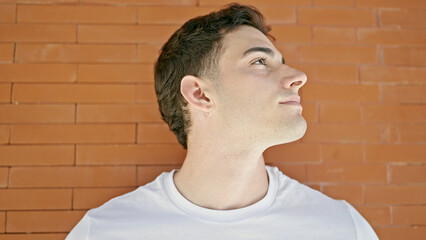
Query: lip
295 99
291 103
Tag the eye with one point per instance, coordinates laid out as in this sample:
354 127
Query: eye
261 61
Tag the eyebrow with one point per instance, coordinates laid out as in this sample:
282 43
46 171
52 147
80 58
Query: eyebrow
260 49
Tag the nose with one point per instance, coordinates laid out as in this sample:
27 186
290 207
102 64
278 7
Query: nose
293 78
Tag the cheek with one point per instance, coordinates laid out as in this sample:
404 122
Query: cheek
252 87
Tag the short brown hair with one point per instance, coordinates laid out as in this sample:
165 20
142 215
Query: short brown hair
194 49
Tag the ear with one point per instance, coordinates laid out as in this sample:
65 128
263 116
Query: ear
196 92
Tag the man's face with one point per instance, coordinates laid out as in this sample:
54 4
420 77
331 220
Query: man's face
251 88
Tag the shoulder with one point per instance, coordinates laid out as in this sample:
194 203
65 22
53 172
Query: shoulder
81 230
363 228
141 198
126 206
294 193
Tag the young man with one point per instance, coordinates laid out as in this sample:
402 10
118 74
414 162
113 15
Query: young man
225 91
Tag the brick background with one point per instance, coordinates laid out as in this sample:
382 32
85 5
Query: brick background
79 122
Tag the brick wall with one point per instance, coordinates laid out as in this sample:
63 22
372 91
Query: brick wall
79 122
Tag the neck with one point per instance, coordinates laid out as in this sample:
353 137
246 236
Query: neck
223 180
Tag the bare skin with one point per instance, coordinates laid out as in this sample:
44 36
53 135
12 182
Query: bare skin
224 168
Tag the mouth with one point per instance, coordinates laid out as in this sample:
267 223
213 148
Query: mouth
291 103
291 100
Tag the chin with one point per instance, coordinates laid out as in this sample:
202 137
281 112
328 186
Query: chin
288 134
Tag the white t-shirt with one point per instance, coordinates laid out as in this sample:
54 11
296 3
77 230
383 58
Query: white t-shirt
289 210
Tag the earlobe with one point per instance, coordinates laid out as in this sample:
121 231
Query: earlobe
193 89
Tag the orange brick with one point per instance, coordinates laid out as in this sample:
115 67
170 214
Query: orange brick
391 134
38 73
338 113
392 74
2 222
116 73
342 153
4 176
395 194
146 2
33 236
409 215
417 4
38 32
73 133
338 54
155 133
278 15
124 33
170 15
42 221
71 93
402 18
7 13
21 155
412 133
351 193
408 173
289 52
42 1
118 113
87 198
326 73
81 53
6 53
403 94
405 153
314 186
292 152
391 36
5 90
257 3
338 17
115 176
393 113
333 3
148 53
329 35
352 93
376 215
145 93
23 113
148 174
25 199
404 56
76 14
310 112
401 232
291 34
130 154
343 133
123 53
4 133
347 173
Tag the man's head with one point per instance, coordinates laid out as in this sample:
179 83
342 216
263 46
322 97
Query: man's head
225 61
194 49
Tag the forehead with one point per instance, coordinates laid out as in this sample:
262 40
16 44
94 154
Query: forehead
243 38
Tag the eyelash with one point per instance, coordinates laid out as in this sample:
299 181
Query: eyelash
261 59
264 60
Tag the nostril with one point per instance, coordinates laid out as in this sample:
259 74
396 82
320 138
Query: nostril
297 83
